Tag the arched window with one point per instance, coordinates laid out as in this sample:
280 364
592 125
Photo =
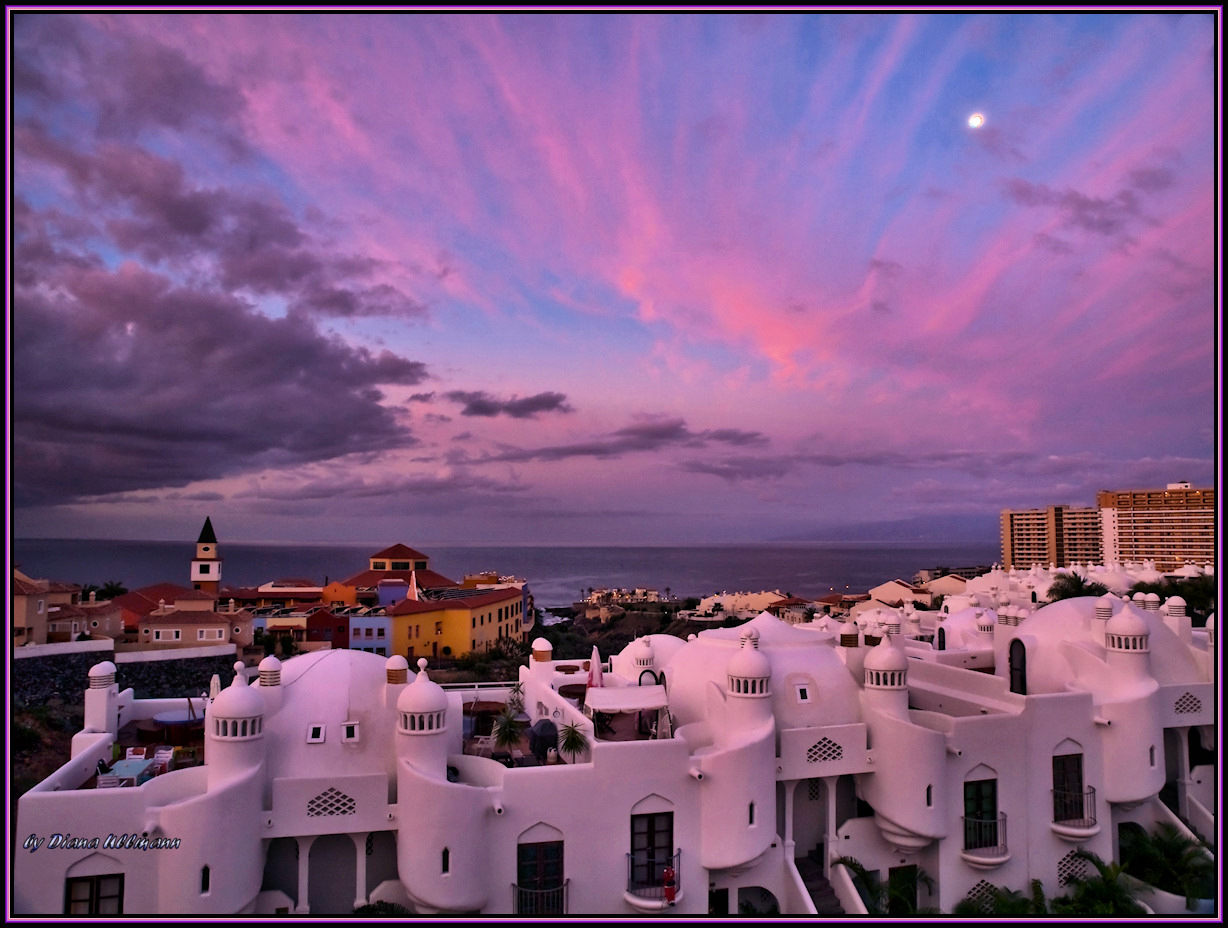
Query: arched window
942 638
1019 668
447 860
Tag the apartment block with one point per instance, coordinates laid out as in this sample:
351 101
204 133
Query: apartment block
1057 535
1172 526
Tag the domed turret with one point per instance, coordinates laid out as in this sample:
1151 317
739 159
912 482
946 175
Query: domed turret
749 671
238 711
886 666
234 730
1127 632
422 705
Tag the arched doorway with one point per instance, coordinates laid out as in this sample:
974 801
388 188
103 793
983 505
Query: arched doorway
332 875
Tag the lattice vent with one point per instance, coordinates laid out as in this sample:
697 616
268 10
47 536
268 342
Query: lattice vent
1188 703
331 802
1071 867
982 894
814 789
825 749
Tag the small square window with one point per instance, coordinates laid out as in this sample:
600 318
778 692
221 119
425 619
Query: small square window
349 731
315 734
803 693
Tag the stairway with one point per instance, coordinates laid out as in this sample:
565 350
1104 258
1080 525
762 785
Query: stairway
810 869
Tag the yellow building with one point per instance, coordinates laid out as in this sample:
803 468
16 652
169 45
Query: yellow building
469 621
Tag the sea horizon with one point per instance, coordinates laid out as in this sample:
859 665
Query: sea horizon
557 574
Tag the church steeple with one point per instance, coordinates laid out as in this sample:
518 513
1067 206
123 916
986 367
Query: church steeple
207 565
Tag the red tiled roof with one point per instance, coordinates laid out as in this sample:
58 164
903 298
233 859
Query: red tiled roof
477 601
790 601
401 551
27 588
196 617
145 600
198 595
427 579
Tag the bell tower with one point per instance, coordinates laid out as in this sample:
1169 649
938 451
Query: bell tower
207 565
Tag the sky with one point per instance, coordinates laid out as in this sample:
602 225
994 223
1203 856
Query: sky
610 279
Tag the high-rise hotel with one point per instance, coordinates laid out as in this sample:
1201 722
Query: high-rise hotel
1171 526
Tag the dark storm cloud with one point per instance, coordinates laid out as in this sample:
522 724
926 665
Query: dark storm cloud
646 436
125 381
149 208
1100 215
735 469
136 83
479 403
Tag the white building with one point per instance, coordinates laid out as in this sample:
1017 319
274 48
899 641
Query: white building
736 758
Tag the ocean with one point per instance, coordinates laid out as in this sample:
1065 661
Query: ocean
557 575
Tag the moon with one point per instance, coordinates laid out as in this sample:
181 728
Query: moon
976 120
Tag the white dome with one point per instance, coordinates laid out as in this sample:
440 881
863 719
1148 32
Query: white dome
541 644
796 656
396 662
749 662
237 701
885 656
269 664
423 695
1127 623
102 669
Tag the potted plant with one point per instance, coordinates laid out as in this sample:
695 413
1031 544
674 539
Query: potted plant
573 740
507 730
515 698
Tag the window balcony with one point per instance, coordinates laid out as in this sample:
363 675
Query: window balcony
539 901
985 842
1074 814
646 880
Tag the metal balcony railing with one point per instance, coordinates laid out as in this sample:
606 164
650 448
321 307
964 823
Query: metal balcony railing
1074 808
539 901
985 837
646 874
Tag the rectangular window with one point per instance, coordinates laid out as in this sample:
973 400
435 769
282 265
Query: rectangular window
652 847
379 565
539 878
204 568
438 628
94 895
367 632
379 633
400 565
980 814
349 731
1067 787
315 734
803 693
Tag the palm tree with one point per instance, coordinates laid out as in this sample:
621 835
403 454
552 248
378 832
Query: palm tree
1071 586
515 698
111 589
1104 893
895 897
1005 902
507 730
1169 860
573 741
